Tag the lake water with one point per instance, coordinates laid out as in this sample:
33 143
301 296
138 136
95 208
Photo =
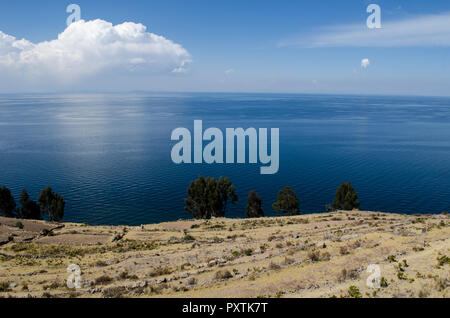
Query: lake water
109 154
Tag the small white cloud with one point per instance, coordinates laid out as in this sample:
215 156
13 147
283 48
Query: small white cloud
314 82
89 48
365 63
229 71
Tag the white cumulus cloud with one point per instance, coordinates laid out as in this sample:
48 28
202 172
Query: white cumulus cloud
365 63
88 48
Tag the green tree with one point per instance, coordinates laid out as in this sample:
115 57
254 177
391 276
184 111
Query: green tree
346 198
7 203
208 197
287 202
57 208
225 190
30 209
51 204
254 205
45 199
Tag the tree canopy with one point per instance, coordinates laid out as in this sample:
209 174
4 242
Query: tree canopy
7 203
287 202
346 198
30 209
51 204
209 197
254 205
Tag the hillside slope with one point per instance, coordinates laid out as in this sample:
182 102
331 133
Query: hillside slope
316 255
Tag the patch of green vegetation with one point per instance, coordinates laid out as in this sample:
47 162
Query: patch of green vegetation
391 259
401 276
354 292
443 260
383 282
4 287
247 252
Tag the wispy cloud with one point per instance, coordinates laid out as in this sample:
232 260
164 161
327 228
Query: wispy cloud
420 31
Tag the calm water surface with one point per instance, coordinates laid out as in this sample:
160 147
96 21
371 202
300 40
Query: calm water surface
109 154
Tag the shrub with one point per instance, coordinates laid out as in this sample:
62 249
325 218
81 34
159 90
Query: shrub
191 281
348 274
222 274
160 271
274 266
383 282
401 276
443 260
354 292
248 252
288 261
114 292
391 258
344 250
314 256
105 279
123 275
4 287
188 238
101 264
19 225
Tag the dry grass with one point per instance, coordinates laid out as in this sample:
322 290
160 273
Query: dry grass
317 255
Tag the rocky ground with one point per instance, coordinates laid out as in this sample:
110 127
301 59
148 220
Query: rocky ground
316 255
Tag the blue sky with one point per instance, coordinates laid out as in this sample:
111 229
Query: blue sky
256 46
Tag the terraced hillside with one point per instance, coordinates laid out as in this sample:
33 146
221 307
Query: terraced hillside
316 255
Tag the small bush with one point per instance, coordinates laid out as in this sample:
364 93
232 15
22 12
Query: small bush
274 266
124 275
19 225
384 283
247 252
222 274
443 260
344 250
105 279
114 292
4 287
391 258
160 271
288 261
401 276
101 264
354 292
314 256
191 281
188 238
348 274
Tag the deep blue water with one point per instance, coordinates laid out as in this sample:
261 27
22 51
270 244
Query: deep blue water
109 155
